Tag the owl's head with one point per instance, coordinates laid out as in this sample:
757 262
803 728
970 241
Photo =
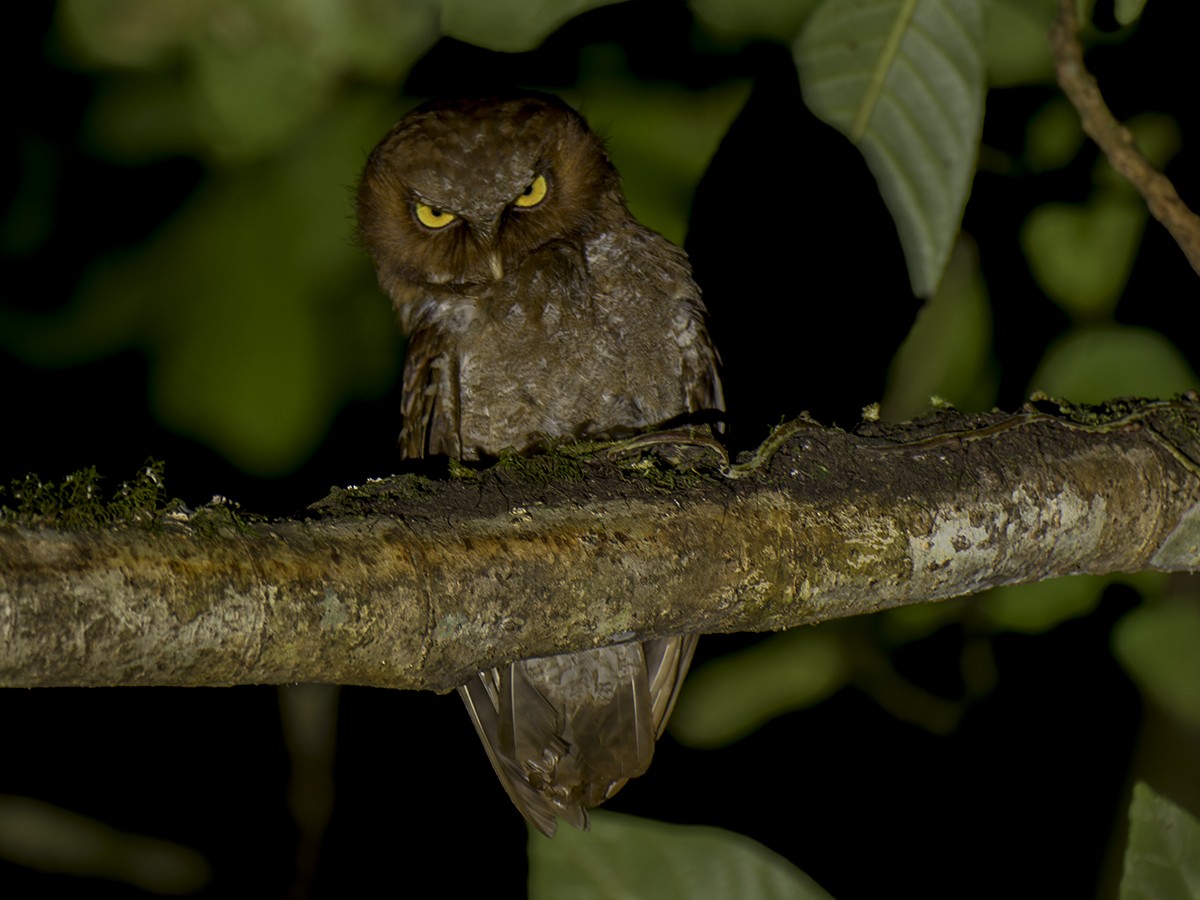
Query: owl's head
461 192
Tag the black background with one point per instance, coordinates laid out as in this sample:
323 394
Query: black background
1021 800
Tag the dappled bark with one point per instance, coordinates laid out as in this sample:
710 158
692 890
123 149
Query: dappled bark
412 582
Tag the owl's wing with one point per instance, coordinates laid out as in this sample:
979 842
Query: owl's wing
701 364
481 697
564 733
667 662
429 397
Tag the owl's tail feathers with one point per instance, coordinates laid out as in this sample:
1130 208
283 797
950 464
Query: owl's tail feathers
479 696
667 662
565 733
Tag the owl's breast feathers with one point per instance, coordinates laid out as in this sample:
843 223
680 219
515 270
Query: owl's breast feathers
592 342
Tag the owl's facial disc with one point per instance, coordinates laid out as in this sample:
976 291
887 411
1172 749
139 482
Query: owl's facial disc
483 217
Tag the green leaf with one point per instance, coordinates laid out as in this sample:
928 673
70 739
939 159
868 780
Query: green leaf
1082 254
1016 48
754 18
732 696
624 856
1034 608
1053 136
1126 11
510 26
1162 860
904 80
948 352
1095 364
1159 645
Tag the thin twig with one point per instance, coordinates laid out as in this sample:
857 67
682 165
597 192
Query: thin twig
1115 139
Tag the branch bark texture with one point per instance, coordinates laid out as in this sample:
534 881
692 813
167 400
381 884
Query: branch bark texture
417 583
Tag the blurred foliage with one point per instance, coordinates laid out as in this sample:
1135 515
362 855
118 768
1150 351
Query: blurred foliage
232 80
661 135
1162 860
1093 364
253 307
1126 11
746 19
1015 47
36 834
1082 253
1157 644
948 352
1038 607
735 694
508 25
624 856
1053 137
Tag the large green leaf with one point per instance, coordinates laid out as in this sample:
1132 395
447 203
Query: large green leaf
904 80
1162 861
624 856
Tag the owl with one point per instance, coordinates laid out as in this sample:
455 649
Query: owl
536 306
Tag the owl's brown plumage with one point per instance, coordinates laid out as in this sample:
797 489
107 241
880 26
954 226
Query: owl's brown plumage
537 306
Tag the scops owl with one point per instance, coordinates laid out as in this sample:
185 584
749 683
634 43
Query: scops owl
537 306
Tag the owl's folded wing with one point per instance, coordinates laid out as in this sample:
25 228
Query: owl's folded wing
429 399
565 733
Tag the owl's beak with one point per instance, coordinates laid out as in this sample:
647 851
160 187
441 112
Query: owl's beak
488 233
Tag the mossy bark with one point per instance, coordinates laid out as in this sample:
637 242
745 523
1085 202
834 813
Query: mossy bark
416 583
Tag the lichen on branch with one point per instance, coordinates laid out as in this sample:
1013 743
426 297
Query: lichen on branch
418 581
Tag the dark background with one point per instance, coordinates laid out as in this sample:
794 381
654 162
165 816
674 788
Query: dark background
1025 798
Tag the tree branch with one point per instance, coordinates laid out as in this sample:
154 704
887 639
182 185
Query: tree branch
414 583
1115 139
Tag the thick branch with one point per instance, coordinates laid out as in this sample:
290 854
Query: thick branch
414 583
1115 139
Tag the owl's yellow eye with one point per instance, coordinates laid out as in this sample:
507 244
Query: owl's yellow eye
534 194
433 218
